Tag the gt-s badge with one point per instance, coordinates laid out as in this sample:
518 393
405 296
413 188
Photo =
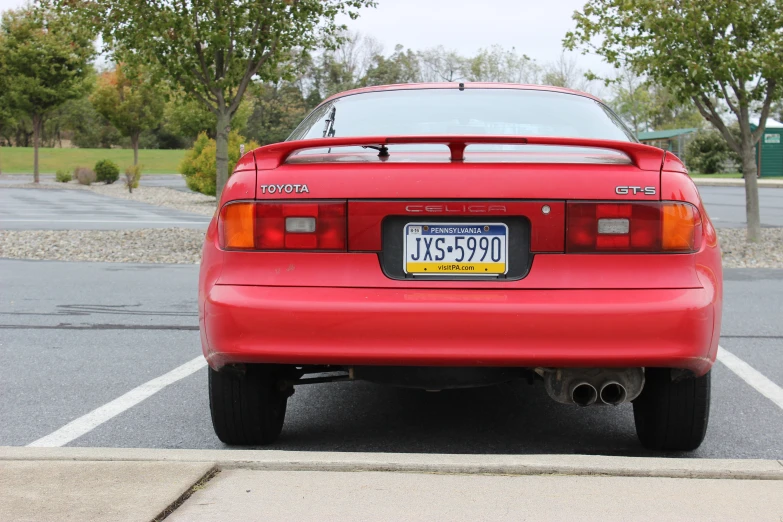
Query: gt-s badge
287 189
624 191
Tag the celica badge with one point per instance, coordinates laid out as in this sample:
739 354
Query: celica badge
284 189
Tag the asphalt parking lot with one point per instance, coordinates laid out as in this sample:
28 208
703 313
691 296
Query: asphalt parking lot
51 209
726 206
74 337
102 354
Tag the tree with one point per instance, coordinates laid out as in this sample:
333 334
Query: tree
278 109
213 49
6 115
131 100
707 151
339 69
440 65
89 129
401 67
188 117
631 99
645 106
564 72
711 52
499 65
46 60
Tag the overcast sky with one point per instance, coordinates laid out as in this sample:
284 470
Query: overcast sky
533 27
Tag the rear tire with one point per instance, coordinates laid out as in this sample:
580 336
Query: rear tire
247 404
672 414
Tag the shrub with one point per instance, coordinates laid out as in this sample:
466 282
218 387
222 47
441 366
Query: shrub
707 152
107 171
200 166
132 177
62 176
84 175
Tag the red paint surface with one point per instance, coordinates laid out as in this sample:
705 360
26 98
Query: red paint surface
272 156
460 327
365 217
570 310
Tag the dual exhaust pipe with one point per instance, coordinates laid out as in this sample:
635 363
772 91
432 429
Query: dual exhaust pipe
588 386
585 394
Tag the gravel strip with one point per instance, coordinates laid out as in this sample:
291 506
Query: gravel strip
146 245
738 253
161 196
183 245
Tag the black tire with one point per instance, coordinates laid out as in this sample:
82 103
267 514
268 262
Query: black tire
672 414
247 405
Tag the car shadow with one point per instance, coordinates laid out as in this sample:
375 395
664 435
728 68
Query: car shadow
511 418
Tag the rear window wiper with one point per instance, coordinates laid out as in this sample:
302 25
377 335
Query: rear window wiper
329 125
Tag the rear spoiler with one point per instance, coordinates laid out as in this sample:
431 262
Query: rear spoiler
270 157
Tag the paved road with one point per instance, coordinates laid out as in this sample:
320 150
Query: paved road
726 206
74 336
26 209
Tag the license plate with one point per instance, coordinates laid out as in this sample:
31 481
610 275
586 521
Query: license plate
456 249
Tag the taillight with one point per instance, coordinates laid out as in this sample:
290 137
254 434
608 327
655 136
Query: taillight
307 225
673 227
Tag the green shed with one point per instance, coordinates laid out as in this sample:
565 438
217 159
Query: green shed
673 140
769 149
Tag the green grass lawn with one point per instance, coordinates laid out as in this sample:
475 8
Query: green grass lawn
19 160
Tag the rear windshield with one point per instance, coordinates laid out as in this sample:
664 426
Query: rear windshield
513 112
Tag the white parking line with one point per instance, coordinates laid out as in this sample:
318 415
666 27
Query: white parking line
98 416
750 375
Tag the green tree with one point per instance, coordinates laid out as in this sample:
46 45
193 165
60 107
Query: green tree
706 152
631 100
46 60
401 67
89 129
189 118
278 109
339 69
6 114
645 106
497 64
669 112
565 72
213 49
714 53
131 100
440 65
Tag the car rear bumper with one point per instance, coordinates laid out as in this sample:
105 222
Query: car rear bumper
451 327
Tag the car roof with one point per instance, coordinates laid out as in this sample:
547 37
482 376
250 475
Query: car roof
456 85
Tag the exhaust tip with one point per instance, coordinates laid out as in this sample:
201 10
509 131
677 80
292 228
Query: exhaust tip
584 394
613 393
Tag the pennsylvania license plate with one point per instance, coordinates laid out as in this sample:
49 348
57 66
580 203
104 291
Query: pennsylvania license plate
456 248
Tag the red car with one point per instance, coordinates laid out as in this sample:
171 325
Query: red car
442 236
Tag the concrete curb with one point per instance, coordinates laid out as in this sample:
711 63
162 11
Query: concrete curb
722 182
273 460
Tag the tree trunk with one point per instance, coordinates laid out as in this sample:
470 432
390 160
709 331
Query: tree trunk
135 144
221 152
36 139
749 171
